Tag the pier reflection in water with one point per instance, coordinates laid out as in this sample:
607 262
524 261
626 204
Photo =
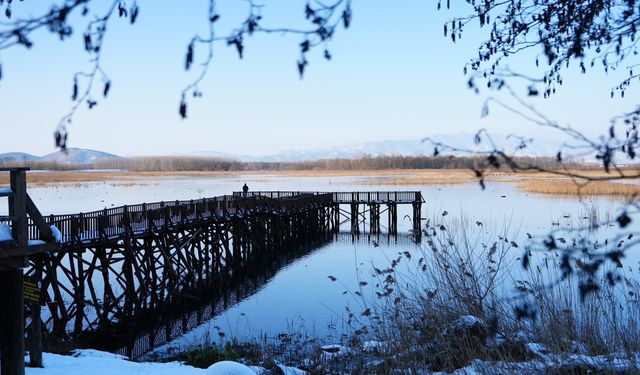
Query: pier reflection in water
300 297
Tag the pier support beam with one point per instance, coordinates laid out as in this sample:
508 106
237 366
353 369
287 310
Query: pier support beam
417 217
392 213
374 218
336 218
355 218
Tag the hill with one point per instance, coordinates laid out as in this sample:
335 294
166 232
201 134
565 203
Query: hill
78 156
408 147
19 157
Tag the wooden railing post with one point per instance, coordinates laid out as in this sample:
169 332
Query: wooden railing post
145 216
11 281
80 225
104 221
125 216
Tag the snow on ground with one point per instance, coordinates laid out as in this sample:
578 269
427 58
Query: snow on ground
575 363
229 368
95 362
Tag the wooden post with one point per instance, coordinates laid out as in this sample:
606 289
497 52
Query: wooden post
393 218
79 293
11 282
355 218
336 212
18 206
35 354
12 332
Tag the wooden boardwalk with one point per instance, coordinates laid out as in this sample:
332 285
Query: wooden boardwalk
105 272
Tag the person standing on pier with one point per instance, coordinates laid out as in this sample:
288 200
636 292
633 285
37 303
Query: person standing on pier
245 190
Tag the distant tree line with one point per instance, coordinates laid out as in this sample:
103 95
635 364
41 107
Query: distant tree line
186 163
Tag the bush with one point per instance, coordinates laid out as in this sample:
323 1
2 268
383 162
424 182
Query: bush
204 357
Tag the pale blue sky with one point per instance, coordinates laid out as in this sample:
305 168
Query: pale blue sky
393 76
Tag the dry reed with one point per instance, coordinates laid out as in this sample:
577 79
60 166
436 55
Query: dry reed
568 187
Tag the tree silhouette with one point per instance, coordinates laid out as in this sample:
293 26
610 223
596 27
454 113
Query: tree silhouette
592 34
87 86
559 32
588 33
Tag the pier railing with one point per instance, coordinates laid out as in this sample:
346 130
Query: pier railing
113 222
116 221
346 197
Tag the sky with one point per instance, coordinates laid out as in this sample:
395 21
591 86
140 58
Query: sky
393 75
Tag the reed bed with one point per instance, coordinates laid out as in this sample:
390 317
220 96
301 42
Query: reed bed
466 299
429 177
568 187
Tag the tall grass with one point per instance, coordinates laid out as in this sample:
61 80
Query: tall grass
568 187
365 162
466 298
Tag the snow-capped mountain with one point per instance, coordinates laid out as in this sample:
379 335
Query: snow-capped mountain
410 147
70 156
19 157
78 156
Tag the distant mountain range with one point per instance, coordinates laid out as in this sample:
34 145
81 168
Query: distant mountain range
410 147
70 156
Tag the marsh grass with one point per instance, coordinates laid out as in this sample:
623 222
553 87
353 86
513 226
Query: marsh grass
462 298
465 298
568 187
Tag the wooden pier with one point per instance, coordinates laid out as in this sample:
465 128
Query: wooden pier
103 273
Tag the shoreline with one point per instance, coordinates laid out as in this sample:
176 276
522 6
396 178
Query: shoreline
545 183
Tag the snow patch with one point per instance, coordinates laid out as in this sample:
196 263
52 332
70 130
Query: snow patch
334 350
537 349
229 368
5 232
55 232
95 362
462 324
291 370
373 346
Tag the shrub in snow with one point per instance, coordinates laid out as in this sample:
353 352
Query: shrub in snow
334 350
466 326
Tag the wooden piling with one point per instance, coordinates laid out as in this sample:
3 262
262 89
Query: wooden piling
12 322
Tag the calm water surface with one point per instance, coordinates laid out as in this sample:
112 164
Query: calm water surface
301 296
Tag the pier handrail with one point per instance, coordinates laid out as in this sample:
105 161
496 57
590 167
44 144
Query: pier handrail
344 197
115 221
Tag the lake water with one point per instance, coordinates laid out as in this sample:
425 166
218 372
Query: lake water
301 296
